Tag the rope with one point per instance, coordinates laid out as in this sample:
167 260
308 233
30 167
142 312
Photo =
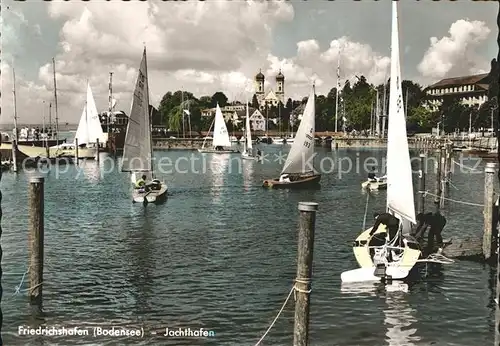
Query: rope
18 287
467 167
453 200
366 210
292 291
437 258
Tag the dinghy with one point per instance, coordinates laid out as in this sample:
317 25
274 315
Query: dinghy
221 144
297 172
138 147
395 259
380 183
247 153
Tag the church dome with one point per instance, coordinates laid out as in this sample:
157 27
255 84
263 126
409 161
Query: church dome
260 76
280 76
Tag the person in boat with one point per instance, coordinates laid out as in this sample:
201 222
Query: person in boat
218 148
284 178
141 183
371 175
390 221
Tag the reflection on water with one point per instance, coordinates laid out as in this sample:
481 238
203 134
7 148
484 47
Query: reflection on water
218 169
91 169
248 170
398 315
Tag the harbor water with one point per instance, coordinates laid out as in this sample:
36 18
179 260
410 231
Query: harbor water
221 255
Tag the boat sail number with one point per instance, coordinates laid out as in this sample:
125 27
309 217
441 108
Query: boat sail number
309 138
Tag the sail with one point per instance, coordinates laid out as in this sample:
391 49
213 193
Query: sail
93 123
221 137
82 133
399 175
137 150
248 132
299 158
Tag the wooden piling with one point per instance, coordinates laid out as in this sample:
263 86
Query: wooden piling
14 156
442 178
97 153
304 272
76 150
490 172
36 240
421 187
449 166
438 190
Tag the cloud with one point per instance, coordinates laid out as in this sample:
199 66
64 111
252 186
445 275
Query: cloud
454 55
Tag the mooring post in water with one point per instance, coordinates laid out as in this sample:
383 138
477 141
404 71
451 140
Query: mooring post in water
304 272
421 184
449 166
490 172
76 150
14 155
438 180
97 153
442 185
36 235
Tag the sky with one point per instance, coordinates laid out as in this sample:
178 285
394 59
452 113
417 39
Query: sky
210 46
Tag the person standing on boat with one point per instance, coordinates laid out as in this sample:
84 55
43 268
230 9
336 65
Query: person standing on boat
424 221
371 175
437 224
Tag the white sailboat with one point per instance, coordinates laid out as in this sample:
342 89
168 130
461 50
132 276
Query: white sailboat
247 153
405 250
88 132
297 172
138 147
221 144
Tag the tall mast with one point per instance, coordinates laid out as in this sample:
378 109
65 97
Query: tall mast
338 91
55 101
110 100
182 113
384 109
16 131
50 120
406 104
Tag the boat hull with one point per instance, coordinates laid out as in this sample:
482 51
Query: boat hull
301 182
246 156
397 269
374 185
83 153
213 151
153 196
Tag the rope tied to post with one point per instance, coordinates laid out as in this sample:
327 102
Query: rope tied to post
454 200
293 290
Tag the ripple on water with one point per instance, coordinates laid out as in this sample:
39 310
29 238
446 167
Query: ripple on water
221 253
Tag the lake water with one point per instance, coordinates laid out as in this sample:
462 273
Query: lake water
220 255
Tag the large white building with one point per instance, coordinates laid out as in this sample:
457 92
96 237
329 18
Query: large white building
469 90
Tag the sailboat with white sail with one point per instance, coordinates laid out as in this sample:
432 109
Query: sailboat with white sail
89 131
138 147
248 153
297 172
221 144
397 256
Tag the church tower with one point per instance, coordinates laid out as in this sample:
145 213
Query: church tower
259 86
280 87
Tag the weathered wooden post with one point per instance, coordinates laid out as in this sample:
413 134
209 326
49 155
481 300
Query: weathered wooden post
449 163
490 172
443 186
304 272
421 186
36 235
14 155
438 181
76 150
97 154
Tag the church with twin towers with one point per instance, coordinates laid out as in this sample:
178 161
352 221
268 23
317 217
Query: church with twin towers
272 97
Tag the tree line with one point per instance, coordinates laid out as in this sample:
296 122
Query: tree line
357 103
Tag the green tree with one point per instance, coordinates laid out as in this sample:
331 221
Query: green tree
255 102
220 98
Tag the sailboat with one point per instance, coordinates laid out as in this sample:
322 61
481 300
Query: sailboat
88 132
138 147
296 171
221 143
247 153
405 250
